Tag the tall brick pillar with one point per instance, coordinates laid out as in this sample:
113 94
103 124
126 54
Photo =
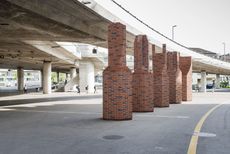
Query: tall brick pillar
142 96
117 78
186 69
161 80
175 78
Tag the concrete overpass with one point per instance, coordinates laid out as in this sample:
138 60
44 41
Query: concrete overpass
30 29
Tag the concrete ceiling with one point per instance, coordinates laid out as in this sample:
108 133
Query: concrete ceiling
29 28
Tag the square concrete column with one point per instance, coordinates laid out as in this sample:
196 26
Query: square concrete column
142 90
20 77
218 81
203 81
46 77
73 72
161 80
175 78
117 78
186 69
41 75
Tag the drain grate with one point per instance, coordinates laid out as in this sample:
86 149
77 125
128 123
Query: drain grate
113 137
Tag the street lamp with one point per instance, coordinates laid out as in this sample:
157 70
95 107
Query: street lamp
224 50
173 31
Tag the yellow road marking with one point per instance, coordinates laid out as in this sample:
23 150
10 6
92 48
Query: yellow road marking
194 140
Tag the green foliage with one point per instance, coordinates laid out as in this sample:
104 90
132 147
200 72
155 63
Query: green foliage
224 84
62 77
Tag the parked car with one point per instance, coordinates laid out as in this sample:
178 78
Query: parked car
209 86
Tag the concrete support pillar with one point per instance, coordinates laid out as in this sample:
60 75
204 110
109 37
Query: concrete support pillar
186 69
218 81
86 74
175 78
73 72
161 79
66 76
142 93
20 76
117 78
46 77
58 77
41 76
203 81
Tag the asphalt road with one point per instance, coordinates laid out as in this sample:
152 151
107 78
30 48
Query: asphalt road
71 124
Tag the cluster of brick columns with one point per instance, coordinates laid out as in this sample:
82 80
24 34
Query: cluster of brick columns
124 92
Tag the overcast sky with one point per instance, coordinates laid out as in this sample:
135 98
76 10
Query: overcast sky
200 23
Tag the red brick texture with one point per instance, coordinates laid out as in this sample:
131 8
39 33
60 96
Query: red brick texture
117 78
186 69
142 78
151 90
160 78
175 78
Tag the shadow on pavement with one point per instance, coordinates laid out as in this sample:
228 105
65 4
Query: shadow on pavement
49 99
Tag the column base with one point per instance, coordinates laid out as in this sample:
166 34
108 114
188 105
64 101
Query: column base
117 94
142 92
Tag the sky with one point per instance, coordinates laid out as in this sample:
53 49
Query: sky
200 23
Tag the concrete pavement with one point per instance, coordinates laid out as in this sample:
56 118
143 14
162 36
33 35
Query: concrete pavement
69 123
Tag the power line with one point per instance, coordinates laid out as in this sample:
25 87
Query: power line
147 25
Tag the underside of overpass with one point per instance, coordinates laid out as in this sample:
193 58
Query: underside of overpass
29 29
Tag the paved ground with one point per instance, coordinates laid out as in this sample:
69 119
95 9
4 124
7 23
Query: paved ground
69 123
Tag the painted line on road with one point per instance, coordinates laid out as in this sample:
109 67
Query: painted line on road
91 113
5 109
163 116
58 112
194 140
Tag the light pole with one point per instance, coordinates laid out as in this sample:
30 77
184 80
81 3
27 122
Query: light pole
173 31
224 51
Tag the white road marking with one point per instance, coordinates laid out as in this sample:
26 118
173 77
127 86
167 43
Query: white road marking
59 112
82 102
5 109
89 113
163 116
204 134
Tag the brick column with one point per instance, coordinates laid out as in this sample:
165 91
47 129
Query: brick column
175 78
161 80
142 96
186 69
117 78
